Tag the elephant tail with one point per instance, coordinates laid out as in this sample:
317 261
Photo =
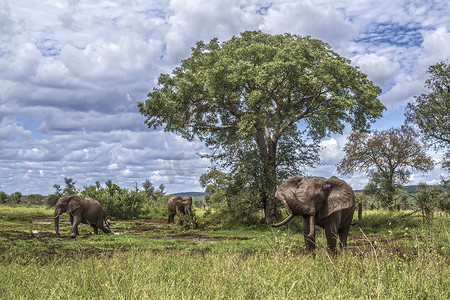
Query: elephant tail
285 221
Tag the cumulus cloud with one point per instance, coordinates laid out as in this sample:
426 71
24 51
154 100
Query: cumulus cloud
379 69
305 18
72 71
436 44
331 151
203 20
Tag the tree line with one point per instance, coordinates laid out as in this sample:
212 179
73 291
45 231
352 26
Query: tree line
118 202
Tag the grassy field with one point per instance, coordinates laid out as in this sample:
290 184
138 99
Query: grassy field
390 256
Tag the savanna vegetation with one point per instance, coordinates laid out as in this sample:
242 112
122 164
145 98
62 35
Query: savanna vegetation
261 103
390 256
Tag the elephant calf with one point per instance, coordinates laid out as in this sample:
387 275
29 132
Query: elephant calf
81 210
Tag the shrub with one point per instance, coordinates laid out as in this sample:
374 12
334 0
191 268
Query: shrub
427 199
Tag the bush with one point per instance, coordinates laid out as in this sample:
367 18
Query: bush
121 203
427 199
157 209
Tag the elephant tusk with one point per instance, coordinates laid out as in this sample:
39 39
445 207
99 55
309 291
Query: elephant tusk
311 226
285 221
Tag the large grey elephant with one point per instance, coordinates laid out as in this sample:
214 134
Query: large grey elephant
329 203
179 205
81 210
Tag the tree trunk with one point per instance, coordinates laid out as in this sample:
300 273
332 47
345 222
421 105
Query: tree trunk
360 211
267 148
270 203
270 210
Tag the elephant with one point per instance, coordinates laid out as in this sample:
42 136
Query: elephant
329 203
179 205
81 210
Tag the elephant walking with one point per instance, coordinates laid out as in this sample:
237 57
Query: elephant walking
82 210
329 203
179 205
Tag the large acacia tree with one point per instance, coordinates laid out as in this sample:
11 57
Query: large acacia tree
262 89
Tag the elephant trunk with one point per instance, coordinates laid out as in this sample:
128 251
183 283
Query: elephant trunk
57 224
311 226
285 221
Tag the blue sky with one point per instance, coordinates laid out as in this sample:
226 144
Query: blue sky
71 72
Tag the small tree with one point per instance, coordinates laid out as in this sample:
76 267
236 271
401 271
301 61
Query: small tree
3 197
16 198
387 157
431 111
119 203
427 199
53 198
149 189
444 201
70 186
234 198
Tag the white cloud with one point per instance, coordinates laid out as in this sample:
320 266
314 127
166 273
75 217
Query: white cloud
379 69
436 44
203 20
402 92
78 67
331 151
305 18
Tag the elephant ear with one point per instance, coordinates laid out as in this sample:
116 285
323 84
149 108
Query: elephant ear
74 203
340 196
286 193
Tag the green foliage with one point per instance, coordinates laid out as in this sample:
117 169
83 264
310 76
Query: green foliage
3 197
70 186
263 95
232 198
387 157
444 202
17 198
428 198
431 111
119 203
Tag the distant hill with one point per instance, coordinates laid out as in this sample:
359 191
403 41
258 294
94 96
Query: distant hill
192 194
412 189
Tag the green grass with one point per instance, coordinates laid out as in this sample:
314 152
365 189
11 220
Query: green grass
150 259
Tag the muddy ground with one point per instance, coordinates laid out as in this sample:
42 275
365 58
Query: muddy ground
40 230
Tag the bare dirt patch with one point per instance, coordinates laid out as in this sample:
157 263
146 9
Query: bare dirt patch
42 220
201 238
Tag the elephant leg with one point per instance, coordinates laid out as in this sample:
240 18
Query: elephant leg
345 228
310 241
343 234
171 218
76 221
331 231
332 237
71 224
104 229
